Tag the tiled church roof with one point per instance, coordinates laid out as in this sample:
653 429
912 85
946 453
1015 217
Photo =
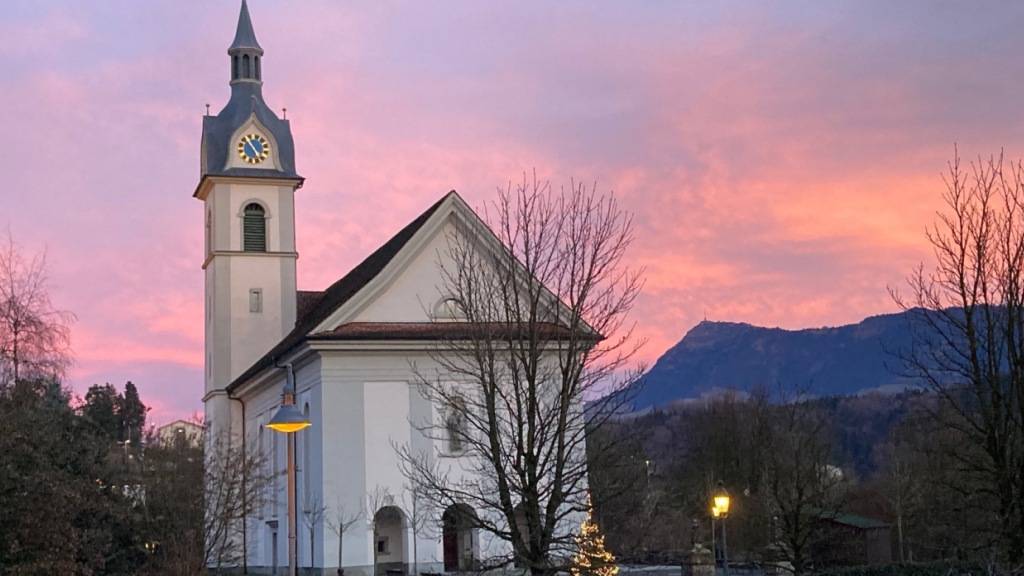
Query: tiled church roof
434 331
305 301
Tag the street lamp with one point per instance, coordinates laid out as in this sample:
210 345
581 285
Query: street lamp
714 548
720 502
289 420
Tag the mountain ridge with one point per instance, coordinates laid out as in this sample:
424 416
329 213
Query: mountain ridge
830 360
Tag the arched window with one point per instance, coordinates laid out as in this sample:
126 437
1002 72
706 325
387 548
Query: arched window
275 468
254 228
448 310
245 66
455 426
234 67
261 443
307 449
256 61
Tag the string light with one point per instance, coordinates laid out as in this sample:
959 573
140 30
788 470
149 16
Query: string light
592 558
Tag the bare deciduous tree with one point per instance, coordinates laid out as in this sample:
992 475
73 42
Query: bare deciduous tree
968 322
339 519
35 337
234 480
804 489
421 516
542 295
313 511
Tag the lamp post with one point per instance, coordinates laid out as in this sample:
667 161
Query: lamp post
289 420
720 509
714 549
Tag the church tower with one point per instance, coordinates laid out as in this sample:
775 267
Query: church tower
247 184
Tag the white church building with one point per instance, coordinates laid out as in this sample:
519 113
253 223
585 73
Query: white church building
351 348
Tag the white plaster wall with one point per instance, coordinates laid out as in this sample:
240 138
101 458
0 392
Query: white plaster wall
254 333
360 401
411 296
386 407
236 337
260 407
279 203
371 403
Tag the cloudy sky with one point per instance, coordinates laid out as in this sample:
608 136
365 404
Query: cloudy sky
782 159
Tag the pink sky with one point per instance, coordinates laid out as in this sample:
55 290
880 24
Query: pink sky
782 159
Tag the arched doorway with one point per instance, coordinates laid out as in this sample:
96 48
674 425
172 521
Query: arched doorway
389 527
459 541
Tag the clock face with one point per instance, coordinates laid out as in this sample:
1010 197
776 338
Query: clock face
253 148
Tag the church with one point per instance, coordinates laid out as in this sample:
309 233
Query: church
348 348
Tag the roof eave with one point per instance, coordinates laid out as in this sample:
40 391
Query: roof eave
206 181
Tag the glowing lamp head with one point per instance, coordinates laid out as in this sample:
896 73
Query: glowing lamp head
715 512
288 419
721 500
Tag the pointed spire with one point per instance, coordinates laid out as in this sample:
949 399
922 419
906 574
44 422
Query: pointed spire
245 37
245 51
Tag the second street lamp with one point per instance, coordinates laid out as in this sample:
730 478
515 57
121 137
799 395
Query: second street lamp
720 509
289 420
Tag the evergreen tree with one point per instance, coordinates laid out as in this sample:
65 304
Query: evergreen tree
132 414
62 511
101 408
592 559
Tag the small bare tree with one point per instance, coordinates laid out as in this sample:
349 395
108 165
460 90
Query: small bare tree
421 517
374 500
35 337
967 317
339 519
541 295
313 511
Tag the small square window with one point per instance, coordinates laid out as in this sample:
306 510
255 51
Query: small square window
382 545
255 300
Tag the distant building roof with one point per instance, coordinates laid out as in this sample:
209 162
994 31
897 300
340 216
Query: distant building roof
855 521
179 424
190 432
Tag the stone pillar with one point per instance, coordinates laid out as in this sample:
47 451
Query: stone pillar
699 562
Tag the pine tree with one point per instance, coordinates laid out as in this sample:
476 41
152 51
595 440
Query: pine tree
592 559
132 414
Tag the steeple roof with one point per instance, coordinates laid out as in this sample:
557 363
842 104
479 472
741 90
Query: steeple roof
245 36
246 104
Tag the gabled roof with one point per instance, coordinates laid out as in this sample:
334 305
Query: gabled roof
854 520
338 293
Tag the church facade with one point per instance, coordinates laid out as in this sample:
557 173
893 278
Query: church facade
351 348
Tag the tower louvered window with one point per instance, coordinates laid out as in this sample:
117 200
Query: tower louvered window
254 229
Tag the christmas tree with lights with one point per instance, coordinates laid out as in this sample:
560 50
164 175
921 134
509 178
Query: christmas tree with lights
592 559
